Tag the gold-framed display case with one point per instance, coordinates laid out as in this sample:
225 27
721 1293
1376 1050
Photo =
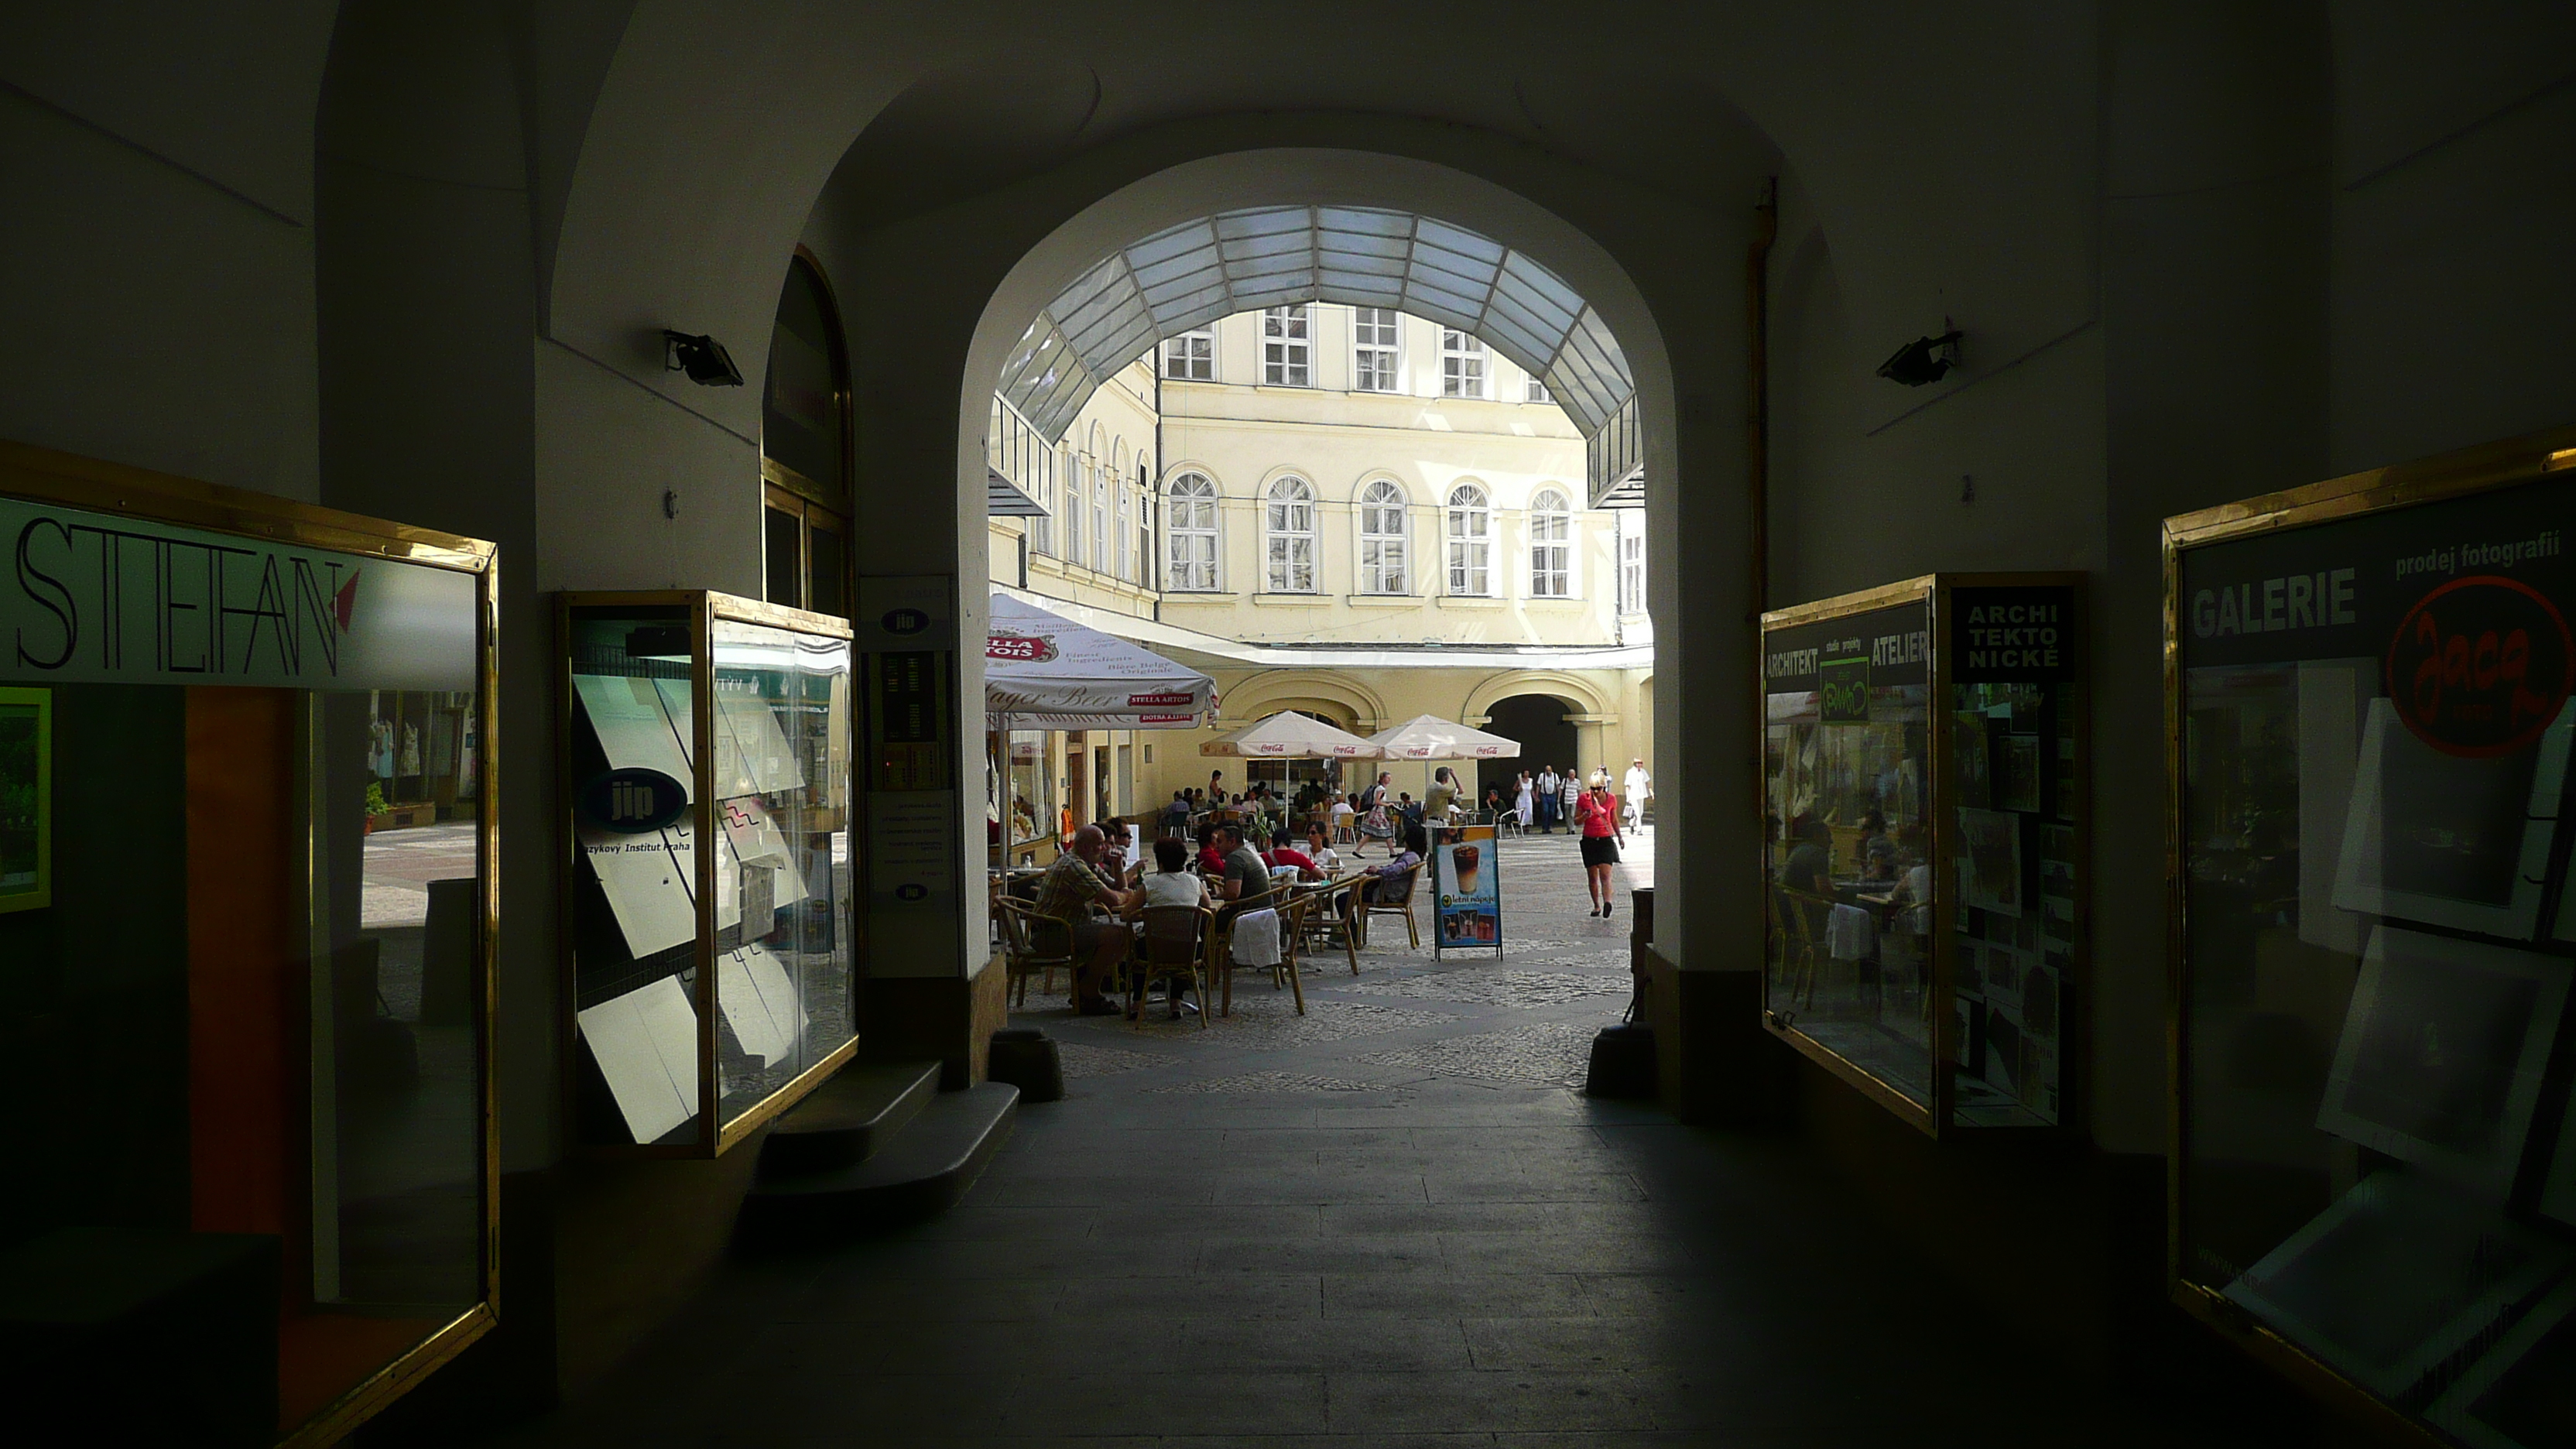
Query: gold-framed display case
710 989
249 1033
1923 849
2373 1164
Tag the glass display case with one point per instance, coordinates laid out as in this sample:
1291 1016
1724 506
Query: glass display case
711 989
1923 843
249 1033
2374 1181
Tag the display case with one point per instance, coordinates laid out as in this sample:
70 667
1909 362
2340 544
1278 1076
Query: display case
248 1035
711 988
1924 844
2374 1161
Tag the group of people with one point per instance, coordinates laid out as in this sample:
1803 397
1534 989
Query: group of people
1549 799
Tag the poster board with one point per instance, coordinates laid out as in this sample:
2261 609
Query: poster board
1466 890
26 799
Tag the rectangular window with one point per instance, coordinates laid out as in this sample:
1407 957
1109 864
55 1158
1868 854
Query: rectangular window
1373 350
1535 390
1462 364
1287 347
1632 568
1191 357
1470 554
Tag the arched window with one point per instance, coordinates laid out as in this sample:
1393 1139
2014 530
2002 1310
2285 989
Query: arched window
1144 534
1551 527
1471 541
1289 537
1383 566
805 448
1193 534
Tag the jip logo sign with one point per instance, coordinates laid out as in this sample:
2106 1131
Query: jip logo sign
2480 666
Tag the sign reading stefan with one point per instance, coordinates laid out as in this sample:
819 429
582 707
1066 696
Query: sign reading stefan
99 598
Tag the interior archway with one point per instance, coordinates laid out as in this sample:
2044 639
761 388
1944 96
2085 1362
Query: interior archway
1547 738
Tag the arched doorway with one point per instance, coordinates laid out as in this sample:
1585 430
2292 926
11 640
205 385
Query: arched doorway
1539 722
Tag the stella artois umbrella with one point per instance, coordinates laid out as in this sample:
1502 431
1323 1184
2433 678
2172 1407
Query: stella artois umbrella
1042 671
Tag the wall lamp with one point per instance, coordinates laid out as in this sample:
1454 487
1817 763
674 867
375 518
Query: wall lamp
702 358
1923 360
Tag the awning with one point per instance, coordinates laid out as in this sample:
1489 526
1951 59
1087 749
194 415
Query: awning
1045 672
1003 498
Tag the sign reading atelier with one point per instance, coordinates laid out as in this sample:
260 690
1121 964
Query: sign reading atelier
1848 657
2013 633
97 598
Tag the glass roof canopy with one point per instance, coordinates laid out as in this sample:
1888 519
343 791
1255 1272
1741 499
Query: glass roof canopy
1190 275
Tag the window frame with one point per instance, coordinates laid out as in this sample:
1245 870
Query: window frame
1534 389
1392 349
1174 531
1458 349
1632 569
1468 557
1193 355
1300 344
1102 550
1378 497
1551 545
1278 570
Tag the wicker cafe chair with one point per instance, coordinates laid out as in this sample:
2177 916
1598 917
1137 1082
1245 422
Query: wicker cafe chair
1292 914
1798 916
1032 943
1323 919
1175 944
1394 898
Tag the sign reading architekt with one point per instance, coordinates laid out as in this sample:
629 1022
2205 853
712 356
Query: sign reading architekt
96 598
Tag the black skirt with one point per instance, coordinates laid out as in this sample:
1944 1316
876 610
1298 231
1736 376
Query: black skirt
1600 850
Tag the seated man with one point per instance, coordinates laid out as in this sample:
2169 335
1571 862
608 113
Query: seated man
1246 884
1284 854
1070 890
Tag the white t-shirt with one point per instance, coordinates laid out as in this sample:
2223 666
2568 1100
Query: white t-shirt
1174 888
1637 784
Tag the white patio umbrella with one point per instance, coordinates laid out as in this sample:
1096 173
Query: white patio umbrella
1428 737
1289 735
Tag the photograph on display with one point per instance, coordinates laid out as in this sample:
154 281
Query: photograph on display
2017 783
1989 857
2445 838
2396 1277
2442 1052
26 799
1971 759
2521 1393
1467 889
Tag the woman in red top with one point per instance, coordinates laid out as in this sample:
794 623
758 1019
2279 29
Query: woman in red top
1596 819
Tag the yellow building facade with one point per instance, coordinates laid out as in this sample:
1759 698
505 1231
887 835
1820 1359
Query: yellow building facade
1347 511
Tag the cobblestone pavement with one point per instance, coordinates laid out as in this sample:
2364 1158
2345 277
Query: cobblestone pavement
1523 1018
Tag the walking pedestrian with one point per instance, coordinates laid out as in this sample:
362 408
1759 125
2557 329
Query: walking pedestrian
1523 802
1596 818
1569 790
1640 788
1550 799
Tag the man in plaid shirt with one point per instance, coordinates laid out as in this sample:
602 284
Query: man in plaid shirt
1068 892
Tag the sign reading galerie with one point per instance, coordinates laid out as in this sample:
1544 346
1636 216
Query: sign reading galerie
98 598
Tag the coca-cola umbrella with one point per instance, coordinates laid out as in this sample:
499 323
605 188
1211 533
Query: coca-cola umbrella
1289 735
1428 737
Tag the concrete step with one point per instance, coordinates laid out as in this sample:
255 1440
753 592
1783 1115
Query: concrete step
924 1168
848 1119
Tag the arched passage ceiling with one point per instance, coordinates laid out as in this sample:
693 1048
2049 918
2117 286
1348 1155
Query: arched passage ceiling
1189 275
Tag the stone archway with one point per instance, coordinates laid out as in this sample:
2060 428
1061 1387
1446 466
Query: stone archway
1544 725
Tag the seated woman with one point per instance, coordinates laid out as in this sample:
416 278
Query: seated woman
1172 883
1387 877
